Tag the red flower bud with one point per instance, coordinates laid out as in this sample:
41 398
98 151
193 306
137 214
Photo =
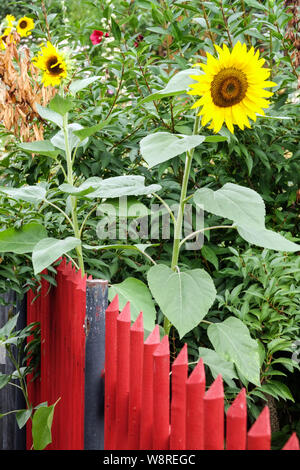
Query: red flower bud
96 36
106 35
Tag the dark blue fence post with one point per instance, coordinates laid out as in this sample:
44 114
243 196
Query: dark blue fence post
11 398
96 304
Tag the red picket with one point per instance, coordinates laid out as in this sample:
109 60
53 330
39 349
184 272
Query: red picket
138 411
195 390
37 311
292 443
236 423
178 403
150 345
136 382
214 416
259 436
161 395
61 312
122 390
111 315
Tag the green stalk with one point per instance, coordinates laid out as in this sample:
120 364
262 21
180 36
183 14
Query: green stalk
179 219
73 198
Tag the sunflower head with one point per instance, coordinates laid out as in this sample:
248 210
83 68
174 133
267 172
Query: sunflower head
24 26
52 64
232 88
5 39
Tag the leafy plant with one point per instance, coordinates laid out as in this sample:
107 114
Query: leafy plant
25 359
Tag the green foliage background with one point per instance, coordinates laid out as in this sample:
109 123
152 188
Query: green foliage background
266 158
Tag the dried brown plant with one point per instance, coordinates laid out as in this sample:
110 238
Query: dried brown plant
293 29
20 91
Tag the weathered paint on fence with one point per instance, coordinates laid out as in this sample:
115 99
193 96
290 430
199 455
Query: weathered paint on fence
96 304
138 399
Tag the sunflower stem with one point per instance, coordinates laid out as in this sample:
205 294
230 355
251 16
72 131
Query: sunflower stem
179 218
70 181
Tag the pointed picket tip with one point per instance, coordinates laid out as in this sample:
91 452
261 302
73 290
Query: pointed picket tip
138 325
61 265
182 357
154 337
262 426
125 314
292 443
238 407
114 305
215 390
163 347
198 374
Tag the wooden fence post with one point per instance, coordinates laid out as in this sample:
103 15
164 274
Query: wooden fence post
195 390
96 304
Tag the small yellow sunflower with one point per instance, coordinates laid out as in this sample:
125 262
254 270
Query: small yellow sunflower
4 38
24 26
10 19
232 88
52 64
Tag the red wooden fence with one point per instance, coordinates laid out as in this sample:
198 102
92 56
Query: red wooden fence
147 407
61 314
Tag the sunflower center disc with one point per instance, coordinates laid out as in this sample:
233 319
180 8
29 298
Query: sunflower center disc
228 87
23 24
53 66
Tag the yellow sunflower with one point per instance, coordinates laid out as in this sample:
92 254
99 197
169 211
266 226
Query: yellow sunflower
4 38
8 26
9 19
232 88
24 26
52 64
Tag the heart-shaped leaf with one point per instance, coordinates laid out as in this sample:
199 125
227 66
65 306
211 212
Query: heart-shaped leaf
118 186
140 298
184 297
238 203
231 340
78 85
40 147
49 250
21 240
218 365
58 140
85 188
177 85
162 146
33 194
50 115
267 239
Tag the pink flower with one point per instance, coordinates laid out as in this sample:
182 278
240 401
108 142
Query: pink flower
106 35
96 36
